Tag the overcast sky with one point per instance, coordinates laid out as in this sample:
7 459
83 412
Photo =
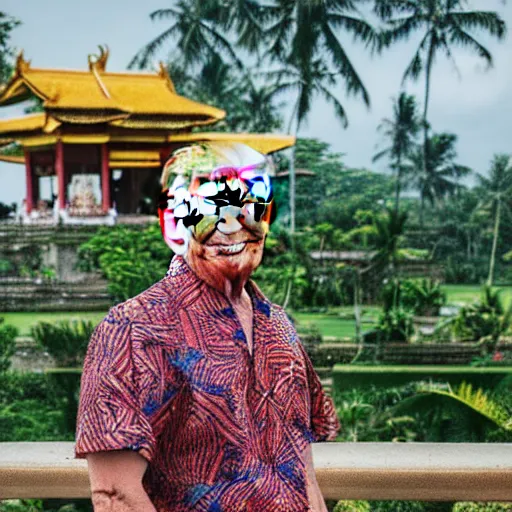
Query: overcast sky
472 102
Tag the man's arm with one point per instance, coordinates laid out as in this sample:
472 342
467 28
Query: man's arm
316 500
116 482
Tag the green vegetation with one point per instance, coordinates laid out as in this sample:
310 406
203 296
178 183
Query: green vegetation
24 322
65 341
466 294
418 506
8 335
130 259
338 322
32 408
7 25
353 376
328 325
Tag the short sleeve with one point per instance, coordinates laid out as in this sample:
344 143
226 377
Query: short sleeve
109 414
324 420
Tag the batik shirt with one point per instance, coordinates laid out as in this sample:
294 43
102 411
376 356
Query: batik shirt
169 374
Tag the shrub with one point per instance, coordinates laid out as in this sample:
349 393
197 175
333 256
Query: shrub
395 325
352 506
130 259
32 408
409 506
6 210
481 507
486 318
423 297
6 267
18 386
65 341
54 505
461 271
32 421
386 376
8 335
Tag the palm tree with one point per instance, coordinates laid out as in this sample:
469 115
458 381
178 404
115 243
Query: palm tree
389 230
438 176
249 105
444 24
401 132
307 81
259 101
302 37
7 25
462 414
496 190
196 30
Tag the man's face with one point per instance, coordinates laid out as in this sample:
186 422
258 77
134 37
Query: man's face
220 219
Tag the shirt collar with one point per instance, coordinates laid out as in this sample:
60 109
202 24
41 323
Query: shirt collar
187 280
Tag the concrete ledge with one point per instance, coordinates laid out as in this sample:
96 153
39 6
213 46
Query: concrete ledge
383 471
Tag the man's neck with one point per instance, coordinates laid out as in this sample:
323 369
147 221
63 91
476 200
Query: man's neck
234 289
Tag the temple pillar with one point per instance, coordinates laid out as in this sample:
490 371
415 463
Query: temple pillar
105 179
29 187
59 170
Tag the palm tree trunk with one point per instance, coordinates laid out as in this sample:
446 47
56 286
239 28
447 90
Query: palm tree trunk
291 169
357 316
397 184
422 210
292 188
428 71
492 263
288 293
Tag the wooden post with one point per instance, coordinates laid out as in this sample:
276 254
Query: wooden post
29 183
59 170
105 179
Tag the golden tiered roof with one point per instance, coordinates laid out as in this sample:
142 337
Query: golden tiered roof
98 107
128 100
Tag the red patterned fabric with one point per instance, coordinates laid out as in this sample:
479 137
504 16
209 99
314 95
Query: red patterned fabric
168 373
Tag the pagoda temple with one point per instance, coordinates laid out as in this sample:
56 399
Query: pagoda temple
100 139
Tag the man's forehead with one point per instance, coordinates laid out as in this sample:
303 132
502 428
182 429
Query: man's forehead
213 162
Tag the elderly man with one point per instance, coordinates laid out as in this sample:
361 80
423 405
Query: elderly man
197 394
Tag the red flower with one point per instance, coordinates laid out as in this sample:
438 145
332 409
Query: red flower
498 356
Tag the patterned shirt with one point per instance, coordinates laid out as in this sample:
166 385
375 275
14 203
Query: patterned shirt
169 374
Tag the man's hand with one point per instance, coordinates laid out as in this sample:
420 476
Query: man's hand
116 482
316 500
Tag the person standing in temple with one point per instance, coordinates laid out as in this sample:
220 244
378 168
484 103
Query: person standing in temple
197 394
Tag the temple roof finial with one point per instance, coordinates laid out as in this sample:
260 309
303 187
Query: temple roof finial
22 65
99 62
164 73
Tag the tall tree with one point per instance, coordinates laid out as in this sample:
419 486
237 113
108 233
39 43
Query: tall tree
306 82
7 25
438 176
389 232
249 105
444 24
196 30
401 131
302 37
496 190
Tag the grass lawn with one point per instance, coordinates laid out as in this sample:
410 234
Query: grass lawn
329 325
23 321
466 294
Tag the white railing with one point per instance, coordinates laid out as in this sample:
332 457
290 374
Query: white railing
371 471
